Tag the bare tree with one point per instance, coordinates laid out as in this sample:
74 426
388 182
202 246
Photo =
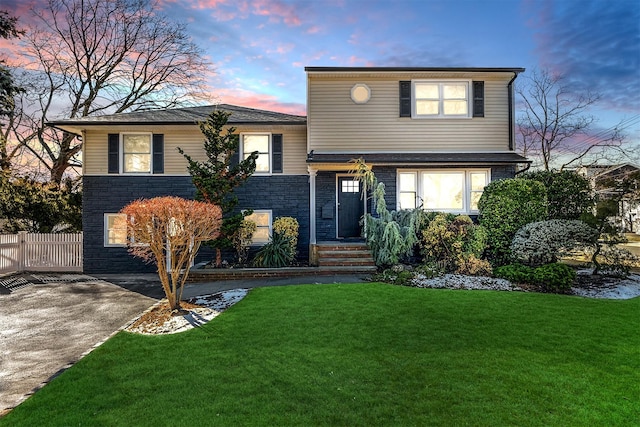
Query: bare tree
555 124
168 231
93 57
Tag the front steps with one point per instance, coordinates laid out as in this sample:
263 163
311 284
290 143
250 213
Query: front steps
352 256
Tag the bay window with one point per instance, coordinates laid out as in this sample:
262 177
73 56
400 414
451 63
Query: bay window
447 190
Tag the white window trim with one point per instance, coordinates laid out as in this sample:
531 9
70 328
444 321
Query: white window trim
106 231
466 202
441 115
270 213
241 151
121 153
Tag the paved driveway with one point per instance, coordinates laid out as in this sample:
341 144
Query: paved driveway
46 326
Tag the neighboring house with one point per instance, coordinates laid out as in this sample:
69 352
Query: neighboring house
601 178
434 136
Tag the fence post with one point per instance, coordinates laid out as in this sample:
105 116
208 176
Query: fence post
22 252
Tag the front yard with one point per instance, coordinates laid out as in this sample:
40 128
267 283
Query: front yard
365 354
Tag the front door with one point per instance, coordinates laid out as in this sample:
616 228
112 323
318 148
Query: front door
350 207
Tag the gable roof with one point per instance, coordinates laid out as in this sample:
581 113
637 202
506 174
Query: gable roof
182 116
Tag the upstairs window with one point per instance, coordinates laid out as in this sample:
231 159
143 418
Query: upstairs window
440 99
136 153
262 144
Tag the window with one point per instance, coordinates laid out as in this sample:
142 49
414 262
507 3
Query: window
262 218
260 143
351 186
451 190
440 99
115 229
136 153
407 190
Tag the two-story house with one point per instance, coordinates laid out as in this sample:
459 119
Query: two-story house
434 136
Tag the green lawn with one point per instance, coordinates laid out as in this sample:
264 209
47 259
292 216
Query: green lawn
365 354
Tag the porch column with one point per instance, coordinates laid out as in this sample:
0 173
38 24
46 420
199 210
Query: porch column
312 204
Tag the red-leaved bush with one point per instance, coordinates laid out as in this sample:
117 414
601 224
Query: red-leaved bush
168 231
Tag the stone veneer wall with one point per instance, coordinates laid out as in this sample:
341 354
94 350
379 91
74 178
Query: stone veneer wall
285 195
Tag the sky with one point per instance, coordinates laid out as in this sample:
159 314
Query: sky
258 48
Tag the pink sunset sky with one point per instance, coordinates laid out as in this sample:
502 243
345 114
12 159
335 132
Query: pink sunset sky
258 48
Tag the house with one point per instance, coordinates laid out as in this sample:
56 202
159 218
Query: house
602 177
434 136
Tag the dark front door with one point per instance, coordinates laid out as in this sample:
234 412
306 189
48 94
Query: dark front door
350 207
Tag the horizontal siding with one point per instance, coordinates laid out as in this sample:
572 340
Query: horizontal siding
337 124
191 140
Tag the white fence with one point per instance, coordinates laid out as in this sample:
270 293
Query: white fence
40 252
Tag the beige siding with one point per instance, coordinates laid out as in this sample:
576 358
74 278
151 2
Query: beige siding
190 139
336 124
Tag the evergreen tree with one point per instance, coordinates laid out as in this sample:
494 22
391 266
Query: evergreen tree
217 177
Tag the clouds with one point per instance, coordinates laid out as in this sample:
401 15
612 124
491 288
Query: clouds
596 44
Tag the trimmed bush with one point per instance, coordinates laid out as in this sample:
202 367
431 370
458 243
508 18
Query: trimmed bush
505 206
516 273
543 242
554 277
569 195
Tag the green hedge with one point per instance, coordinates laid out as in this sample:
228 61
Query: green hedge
505 206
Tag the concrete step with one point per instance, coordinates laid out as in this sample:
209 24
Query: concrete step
344 254
325 262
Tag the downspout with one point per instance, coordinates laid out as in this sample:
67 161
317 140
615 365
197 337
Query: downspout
511 113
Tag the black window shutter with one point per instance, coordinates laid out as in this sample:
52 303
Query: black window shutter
158 153
276 156
113 155
478 99
405 99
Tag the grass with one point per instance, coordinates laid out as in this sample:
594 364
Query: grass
365 354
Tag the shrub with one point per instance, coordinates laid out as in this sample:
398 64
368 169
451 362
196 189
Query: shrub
516 273
242 239
288 226
470 265
569 195
455 244
505 206
543 242
554 277
395 276
389 240
276 253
